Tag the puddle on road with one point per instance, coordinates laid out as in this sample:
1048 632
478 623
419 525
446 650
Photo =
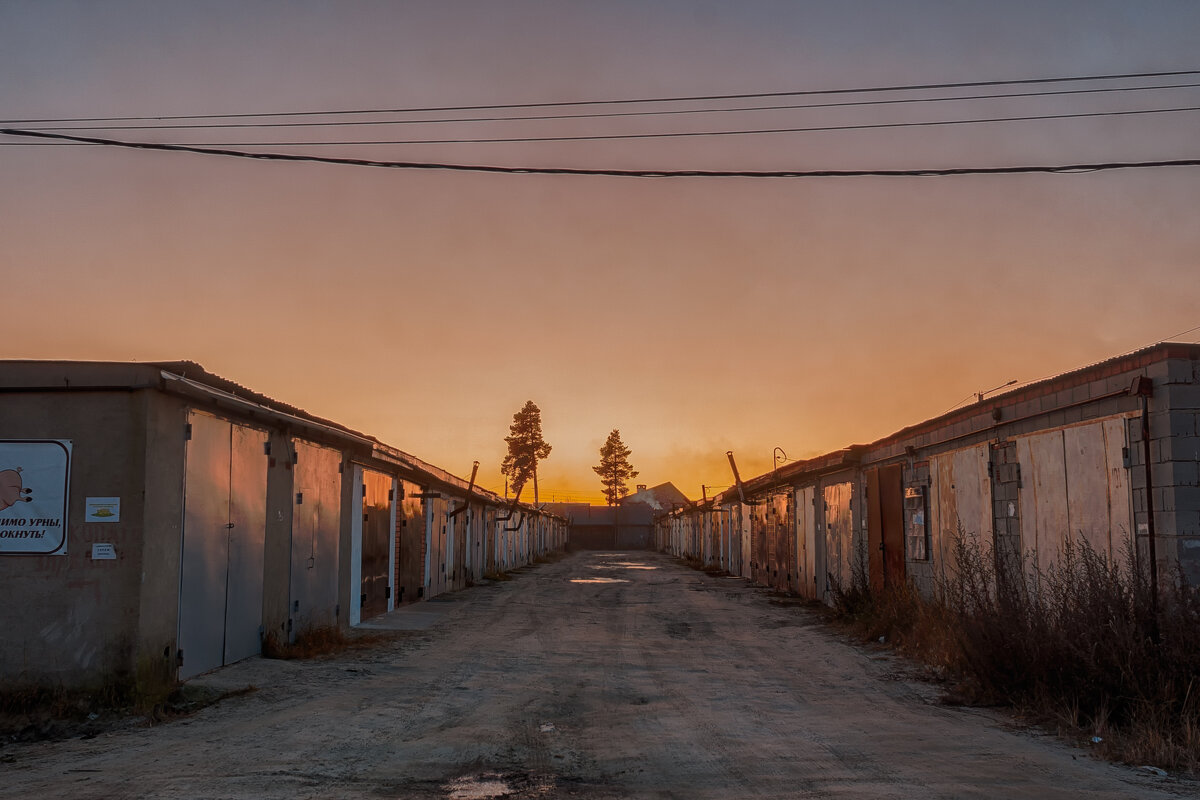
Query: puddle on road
478 787
598 580
493 785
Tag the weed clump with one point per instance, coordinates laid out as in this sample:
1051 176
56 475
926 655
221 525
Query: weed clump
319 641
550 557
1081 645
497 575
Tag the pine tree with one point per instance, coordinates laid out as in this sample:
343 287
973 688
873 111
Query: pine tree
614 468
526 448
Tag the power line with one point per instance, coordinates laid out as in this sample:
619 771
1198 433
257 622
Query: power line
685 134
360 162
610 114
630 101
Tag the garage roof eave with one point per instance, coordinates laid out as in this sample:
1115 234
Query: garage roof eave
186 387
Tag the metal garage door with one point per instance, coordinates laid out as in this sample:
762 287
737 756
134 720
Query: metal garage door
224 529
378 525
316 526
839 540
806 544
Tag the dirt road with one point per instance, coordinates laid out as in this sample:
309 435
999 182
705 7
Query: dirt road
602 675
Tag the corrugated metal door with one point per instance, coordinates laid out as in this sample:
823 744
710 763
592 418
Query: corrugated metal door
205 546
769 533
431 558
480 526
224 528
468 543
744 526
1043 497
375 589
783 540
438 579
411 581
316 528
760 569
891 507
885 526
806 545
491 541
839 537
721 535
451 560
961 499
502 547
1098 488
1074 482
874 532
247 539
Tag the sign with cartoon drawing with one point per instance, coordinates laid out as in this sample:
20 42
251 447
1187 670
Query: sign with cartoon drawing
35 478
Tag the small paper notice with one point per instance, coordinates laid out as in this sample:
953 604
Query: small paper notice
103 552
103 509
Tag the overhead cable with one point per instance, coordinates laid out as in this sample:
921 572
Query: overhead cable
608 114
620 173
693 134
630 101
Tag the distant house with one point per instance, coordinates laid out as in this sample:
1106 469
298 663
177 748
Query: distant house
627 526
663 497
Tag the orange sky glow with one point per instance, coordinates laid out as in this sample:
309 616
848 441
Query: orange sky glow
695 315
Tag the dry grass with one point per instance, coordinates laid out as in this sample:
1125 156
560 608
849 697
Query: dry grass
1078 647
497 575
550 557
39 712
323 641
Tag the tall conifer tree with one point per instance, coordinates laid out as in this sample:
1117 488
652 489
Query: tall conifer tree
526 448
614 468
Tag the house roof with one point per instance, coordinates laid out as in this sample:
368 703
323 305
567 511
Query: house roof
662 497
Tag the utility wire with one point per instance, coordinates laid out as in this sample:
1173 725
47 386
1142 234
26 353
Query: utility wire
638 173
678 99
691 134
608 114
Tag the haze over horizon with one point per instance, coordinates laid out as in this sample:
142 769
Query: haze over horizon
694 315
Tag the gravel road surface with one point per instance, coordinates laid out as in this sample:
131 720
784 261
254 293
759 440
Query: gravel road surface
603 675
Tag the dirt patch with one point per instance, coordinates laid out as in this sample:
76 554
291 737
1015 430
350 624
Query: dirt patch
541 687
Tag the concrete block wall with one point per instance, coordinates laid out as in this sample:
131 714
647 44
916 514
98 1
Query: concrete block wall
1174 422
920 571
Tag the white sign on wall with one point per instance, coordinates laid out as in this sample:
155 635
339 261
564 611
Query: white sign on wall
35 482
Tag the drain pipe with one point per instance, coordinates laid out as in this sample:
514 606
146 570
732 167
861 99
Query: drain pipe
737 479
512 509
470 487
1143 387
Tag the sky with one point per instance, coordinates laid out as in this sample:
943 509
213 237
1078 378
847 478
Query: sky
694 315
